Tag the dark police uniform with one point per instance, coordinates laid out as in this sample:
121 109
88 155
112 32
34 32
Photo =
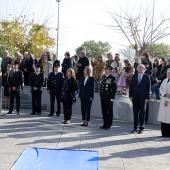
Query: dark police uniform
5 83
15 80
107 95
36 80
54 85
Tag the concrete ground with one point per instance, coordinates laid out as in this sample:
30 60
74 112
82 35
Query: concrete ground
118 149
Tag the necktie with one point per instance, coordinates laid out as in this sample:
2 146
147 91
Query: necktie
139 79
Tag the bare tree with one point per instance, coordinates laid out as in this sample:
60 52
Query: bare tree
128 53
141 29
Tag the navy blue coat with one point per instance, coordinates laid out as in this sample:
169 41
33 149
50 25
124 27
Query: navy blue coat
87 90
141 90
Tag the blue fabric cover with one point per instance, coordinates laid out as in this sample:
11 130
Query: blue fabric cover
56 159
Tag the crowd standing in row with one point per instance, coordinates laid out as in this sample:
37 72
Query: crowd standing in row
75 77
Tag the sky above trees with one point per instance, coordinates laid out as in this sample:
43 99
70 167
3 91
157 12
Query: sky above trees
81 20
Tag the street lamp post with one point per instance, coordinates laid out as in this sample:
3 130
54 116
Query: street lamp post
58 26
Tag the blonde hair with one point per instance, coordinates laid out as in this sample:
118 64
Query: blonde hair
72 73
88 69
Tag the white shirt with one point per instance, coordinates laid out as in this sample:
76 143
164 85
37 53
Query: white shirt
85 80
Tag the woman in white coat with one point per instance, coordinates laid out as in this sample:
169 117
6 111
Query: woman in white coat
48 67
164 109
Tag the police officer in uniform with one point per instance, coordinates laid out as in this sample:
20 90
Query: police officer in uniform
36 83
107 95
54 87
15 81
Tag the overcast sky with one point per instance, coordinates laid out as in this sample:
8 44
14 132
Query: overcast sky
80 20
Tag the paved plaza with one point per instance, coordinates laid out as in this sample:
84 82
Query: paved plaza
118 149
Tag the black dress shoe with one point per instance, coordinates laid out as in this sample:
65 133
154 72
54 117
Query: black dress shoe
39 114
50 114
107 128
32 114
18 113
140 131
103 127
58 114
134 131
9 113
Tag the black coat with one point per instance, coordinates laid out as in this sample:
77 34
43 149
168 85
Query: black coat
54 82
69 87
108 88
36 80
29 65
163 73
15 79
87 90
80 71
141 90
65 65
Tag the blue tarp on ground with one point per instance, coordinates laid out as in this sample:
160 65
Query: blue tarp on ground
56 159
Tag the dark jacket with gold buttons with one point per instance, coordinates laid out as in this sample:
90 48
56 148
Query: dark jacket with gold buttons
36 80
108 88
54 82
15 79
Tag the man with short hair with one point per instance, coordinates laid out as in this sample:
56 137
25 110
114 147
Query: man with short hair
82 62
110 59
15 81
139 96
36 83
5 61
55 61
54 87
108 89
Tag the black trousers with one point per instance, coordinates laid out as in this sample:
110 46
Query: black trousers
13 94
54 95
36 101
26 78
107 112
85 109
146 114
139 113
67 109
165 129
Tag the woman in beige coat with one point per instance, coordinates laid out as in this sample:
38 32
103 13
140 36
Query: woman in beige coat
164 109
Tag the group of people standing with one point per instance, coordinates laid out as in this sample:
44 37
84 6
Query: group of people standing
76 78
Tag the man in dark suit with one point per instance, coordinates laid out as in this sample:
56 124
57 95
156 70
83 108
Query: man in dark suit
5 61
54 87
36 82
107 95
15 81
82 62
139 95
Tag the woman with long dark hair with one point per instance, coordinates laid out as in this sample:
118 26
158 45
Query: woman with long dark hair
86 95
147 58
68 94
160 78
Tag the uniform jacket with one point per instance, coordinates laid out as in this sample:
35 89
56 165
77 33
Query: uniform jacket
84 61
108 88
66 64
54 82
87 90
4 63
164 112
141 90
15 79
36 80
5 78
98 68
